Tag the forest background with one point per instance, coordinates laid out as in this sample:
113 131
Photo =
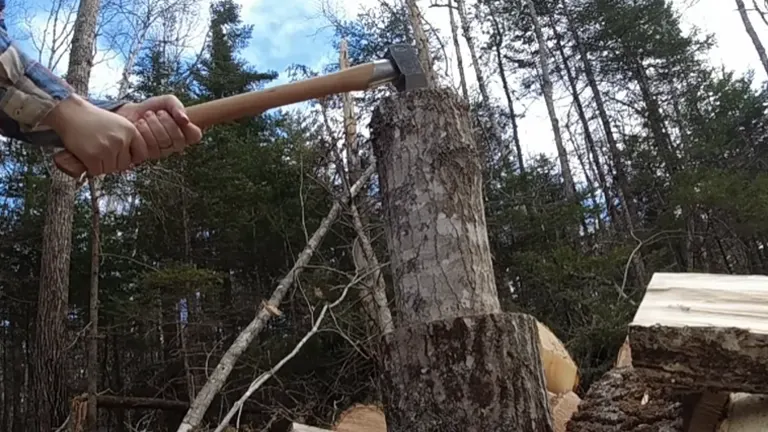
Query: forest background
631 144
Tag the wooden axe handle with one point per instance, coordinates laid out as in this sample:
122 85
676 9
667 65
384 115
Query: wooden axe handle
251 104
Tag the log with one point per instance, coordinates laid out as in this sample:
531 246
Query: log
562 407
620 401
454 362
560 371
700 333
745 413
468 374
362 418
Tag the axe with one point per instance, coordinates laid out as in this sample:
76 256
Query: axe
400 66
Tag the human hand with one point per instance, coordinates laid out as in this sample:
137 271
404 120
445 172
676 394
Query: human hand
103 141
163 124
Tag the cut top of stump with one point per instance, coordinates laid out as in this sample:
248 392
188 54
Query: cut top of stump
705 300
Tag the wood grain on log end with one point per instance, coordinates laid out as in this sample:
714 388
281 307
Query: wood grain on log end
703 333
621 402
560 371
470 374
562 407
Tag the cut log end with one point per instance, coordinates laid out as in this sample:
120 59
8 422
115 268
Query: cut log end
470 374
560 371
703 333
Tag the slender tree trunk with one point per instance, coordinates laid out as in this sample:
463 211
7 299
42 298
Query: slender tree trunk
546 84
591 146
457 47
481 84
362 251
93 337
752 34
455 362
50 393
422 43
498 38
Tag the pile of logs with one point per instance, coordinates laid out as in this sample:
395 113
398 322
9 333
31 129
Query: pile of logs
695 360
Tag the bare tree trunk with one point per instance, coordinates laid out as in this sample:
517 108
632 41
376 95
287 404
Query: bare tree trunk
591 146
752 34
499 37
546 85
481 84
628 208
50 336
363 254
93 337
455 362
422 43
457 47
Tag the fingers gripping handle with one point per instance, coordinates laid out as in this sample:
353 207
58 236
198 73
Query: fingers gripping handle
69 164
251 104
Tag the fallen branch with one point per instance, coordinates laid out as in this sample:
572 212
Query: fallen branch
227 363
258 382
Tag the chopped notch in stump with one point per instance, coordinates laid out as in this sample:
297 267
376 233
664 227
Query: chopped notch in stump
470 374
703 332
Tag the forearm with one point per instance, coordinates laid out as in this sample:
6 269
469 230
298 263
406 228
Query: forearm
28 93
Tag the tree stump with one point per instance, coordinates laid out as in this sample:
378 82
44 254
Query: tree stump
470 374
454 362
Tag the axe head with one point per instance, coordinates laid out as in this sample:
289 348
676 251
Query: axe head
406 62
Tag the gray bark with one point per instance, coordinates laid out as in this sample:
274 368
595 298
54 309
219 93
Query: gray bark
49 387
454 362
432 197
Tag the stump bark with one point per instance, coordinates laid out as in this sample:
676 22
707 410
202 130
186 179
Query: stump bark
454 361
621 401
470 374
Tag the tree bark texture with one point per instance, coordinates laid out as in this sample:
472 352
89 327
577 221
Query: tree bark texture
432 195
621 401
468 374
50 336
454 362
697 359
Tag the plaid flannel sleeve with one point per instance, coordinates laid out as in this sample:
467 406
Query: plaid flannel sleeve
28 92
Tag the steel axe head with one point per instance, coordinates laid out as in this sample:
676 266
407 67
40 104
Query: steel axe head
401 67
